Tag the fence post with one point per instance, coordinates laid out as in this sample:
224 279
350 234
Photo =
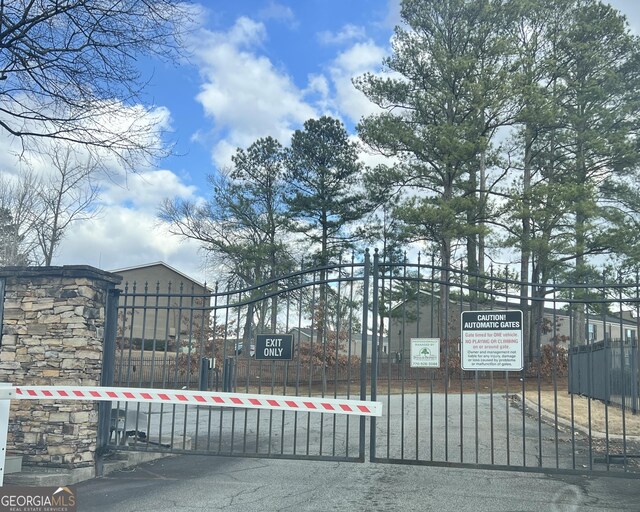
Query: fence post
634 375
607 370
623 390
227 374
107 377
203 385
1 308
363 360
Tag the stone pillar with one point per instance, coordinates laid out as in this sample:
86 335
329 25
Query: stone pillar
53 334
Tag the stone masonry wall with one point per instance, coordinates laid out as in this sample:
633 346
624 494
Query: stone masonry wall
52 334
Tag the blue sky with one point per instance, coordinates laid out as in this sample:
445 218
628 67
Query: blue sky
257 68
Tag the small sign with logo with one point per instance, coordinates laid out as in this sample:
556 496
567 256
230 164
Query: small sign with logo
276 347
425 353
37 499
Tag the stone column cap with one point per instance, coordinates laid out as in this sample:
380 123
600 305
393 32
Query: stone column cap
71 271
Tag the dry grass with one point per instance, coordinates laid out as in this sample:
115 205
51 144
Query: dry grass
587 411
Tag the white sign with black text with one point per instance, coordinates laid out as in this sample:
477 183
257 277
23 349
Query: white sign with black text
492 341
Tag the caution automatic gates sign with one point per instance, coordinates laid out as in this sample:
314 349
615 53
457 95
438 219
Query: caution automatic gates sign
492 341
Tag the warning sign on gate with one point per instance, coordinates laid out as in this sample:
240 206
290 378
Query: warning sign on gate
492 340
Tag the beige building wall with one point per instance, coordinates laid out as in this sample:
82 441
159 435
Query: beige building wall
160 303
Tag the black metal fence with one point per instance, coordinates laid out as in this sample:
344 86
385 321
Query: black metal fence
608 371
249 373
527 420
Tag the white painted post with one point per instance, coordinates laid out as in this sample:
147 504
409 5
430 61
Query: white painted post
6 393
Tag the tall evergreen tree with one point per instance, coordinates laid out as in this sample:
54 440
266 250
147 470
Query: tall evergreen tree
326 196
600 89
532 210
578 78
440 111
326 199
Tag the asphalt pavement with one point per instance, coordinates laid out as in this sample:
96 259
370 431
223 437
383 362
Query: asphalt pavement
470 430
189 483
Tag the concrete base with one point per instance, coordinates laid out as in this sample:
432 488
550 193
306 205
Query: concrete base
125 460
36 476
12 464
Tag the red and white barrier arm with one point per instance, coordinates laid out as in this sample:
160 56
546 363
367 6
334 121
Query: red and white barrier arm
207 398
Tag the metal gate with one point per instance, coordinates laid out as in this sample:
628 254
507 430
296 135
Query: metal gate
573 408
186 337
559 414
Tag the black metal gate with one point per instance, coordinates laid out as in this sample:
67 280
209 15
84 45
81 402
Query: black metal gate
537 419
571 409
185 337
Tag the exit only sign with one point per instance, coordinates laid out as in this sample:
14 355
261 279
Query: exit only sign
274 347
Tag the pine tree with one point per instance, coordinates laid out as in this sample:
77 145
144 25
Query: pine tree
441 106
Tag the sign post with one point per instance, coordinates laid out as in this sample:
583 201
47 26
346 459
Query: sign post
492 341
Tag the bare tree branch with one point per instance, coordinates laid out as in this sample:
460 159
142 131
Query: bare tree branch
20 212
68 70
68 195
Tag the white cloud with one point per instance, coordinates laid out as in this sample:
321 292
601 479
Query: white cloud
127 232
120 136
318 84
224 150
319 92
279 12
137 133
347 34
123 237
144 191
243 92
355 61
393 14
246 33
247 97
